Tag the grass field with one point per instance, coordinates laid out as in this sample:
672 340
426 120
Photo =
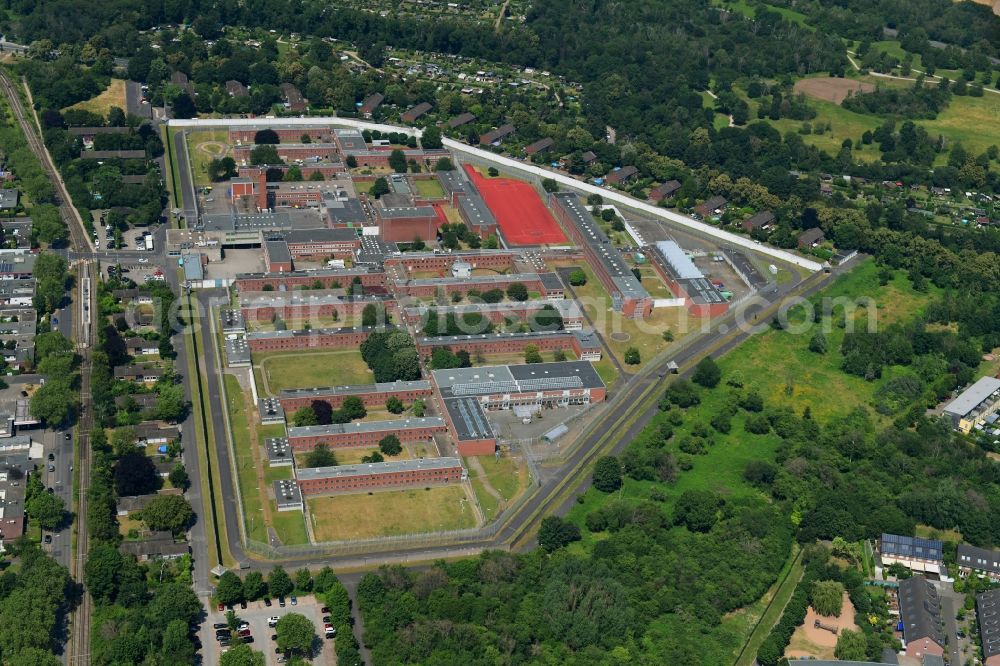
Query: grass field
113 95
364 516
430 189
290 526
509 477
203 147
288 370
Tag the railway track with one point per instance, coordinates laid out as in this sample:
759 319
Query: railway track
78 649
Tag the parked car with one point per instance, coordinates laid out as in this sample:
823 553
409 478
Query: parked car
220 607
272 621
281 602
295 602
220 625
267 601
243 605
48 538
243 626
324 610
52 457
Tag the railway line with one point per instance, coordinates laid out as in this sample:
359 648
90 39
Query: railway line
78 648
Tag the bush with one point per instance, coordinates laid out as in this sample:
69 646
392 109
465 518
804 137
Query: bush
757 424
577 278
607 474
707 373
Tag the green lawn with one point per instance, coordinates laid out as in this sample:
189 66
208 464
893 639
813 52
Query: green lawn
289 370
430 189
204 146
507 476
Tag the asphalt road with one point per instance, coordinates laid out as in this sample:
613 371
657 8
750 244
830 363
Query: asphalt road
134 106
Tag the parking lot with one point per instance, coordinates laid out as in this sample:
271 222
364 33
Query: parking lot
257 614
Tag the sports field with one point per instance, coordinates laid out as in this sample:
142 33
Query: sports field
523 218
364 516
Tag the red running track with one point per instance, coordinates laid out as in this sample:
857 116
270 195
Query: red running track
523 218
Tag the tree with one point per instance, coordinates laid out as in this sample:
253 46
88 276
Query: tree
295 632
531 354
179 477
293 175
135 474
707 373
175 601
104 562
632 356
46 509
696 510
316 176
265 155
323 411
607 474
177 647
241 654
351 162
559 356
304 416
168 512
827 597
517 292
278 583
431 138
183 107
321 456
444 164
394 405
229 590
254 586
397 160
554 533
303 581
390 445
578 278
54 402
851 646
380 187
418 408
353 407
266 136
372 315
33 656
818 343
550 185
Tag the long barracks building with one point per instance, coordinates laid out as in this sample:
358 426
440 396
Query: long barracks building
317 338
365 433
372 395
686 281
393 474
628 296
584 344
266 305
547 284
497 313
443 261
335 278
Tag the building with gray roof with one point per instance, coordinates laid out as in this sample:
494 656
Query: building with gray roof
920 615
287 495
912 552
982 561
387 426
988 618
9 199
975 404
383 475
237 353
279 452
628 296
685 279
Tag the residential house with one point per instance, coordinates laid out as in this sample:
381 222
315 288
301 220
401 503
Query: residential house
588 157
539 146
138 373
14 466
762 221
988 618
180 79
461 119
140 400
236 89
137 346
811 238
370 103
912 552
621 175
713 206
497 135
150 432
412 114
975 404
9 199
155 546
664 191
920 615
294 101
978 560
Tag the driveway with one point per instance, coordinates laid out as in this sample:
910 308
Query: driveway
256 614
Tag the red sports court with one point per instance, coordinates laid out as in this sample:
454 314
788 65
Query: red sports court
523 218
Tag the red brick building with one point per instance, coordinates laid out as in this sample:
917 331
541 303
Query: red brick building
322 243
292 152
547 284
264 306
405 223
277 259
628 296
365 433
499 260
317 338
330 279
372 395
583 344
289 134
385 475
499 312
